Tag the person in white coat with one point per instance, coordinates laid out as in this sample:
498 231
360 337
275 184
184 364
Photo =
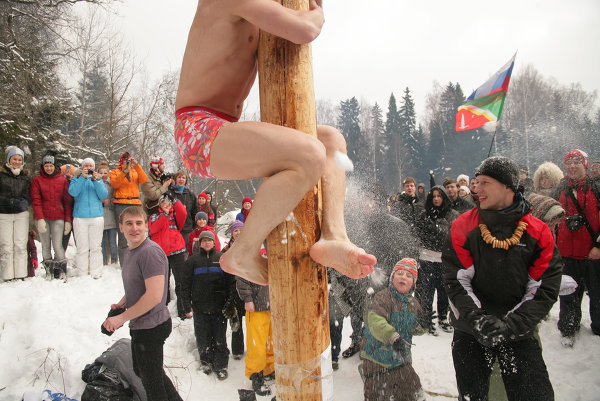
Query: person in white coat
88 191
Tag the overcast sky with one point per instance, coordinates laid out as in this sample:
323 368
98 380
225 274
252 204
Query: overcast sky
371 48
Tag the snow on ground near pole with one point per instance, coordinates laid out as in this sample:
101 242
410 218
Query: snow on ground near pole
50 330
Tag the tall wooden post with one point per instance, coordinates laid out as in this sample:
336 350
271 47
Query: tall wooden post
298 286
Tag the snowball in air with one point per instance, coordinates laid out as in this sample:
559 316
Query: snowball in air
342 161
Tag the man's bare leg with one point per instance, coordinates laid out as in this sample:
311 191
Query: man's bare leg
334 249
292 161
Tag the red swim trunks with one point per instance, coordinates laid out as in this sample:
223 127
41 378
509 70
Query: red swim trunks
195 131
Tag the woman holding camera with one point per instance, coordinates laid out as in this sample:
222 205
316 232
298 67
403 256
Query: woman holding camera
88 191
157 185
125 180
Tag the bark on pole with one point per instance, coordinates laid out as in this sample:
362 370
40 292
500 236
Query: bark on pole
298 286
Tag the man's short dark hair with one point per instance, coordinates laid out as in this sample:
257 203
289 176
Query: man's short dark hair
448 181
133 211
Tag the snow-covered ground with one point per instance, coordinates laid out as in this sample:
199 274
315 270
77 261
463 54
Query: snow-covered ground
49 331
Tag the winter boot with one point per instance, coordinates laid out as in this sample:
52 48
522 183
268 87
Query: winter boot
205 368
60 269
568 341
49 267
432 330
352 349
270 376
258 384
445 326
335 365
247 395
222 374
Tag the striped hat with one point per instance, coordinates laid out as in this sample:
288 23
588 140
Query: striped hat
408 264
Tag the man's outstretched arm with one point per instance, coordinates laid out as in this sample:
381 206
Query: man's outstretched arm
298 26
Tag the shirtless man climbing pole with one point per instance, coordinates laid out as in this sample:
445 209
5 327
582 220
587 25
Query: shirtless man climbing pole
219 68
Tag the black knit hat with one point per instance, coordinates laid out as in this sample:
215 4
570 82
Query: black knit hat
502 169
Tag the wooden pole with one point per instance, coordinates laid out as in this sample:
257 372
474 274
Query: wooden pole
298 286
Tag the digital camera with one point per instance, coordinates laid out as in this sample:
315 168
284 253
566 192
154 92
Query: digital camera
574 222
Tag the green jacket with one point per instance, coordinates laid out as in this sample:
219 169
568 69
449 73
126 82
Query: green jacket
389 313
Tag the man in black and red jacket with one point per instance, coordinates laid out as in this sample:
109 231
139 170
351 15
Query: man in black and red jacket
502 274
577 241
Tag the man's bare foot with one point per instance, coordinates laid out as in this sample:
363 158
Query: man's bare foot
253 269
343 256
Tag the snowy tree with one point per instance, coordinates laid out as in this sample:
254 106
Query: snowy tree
411 139
393 171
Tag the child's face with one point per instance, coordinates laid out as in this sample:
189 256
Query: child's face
201 223
103 173
403 281
247 205
201 201
236 233
207 244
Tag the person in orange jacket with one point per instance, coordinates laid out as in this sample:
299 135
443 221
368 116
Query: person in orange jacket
126 180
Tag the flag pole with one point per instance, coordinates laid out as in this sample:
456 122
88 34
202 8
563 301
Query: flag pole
491 144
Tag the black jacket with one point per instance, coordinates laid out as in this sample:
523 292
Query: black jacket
205 287
433 224
406 208
461 205
188 198
519 285
14 191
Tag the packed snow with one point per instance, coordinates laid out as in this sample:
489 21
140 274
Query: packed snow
49 331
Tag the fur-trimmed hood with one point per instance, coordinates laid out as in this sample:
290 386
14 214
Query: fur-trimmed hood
550 170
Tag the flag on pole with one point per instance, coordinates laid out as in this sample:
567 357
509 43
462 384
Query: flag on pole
486 102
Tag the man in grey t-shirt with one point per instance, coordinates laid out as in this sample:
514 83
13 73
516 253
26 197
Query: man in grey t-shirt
145 279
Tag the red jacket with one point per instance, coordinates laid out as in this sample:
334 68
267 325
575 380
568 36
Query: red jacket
195 235
165 229
577 244
50 197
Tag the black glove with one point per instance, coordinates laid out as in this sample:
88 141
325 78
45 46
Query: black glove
111 313
491 330
229 310
401 348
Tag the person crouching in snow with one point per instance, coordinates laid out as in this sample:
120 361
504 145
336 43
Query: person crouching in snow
391 321
208 291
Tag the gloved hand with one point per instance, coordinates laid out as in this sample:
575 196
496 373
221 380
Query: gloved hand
401 348
67 227
34 263
229 310
41 225
491 330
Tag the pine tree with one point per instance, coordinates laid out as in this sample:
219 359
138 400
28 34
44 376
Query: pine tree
412 145
349 126
380 143
392 141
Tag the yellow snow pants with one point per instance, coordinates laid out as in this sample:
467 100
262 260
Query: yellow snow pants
259 343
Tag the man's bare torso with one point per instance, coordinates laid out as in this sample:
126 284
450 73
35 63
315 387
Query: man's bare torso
220 67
